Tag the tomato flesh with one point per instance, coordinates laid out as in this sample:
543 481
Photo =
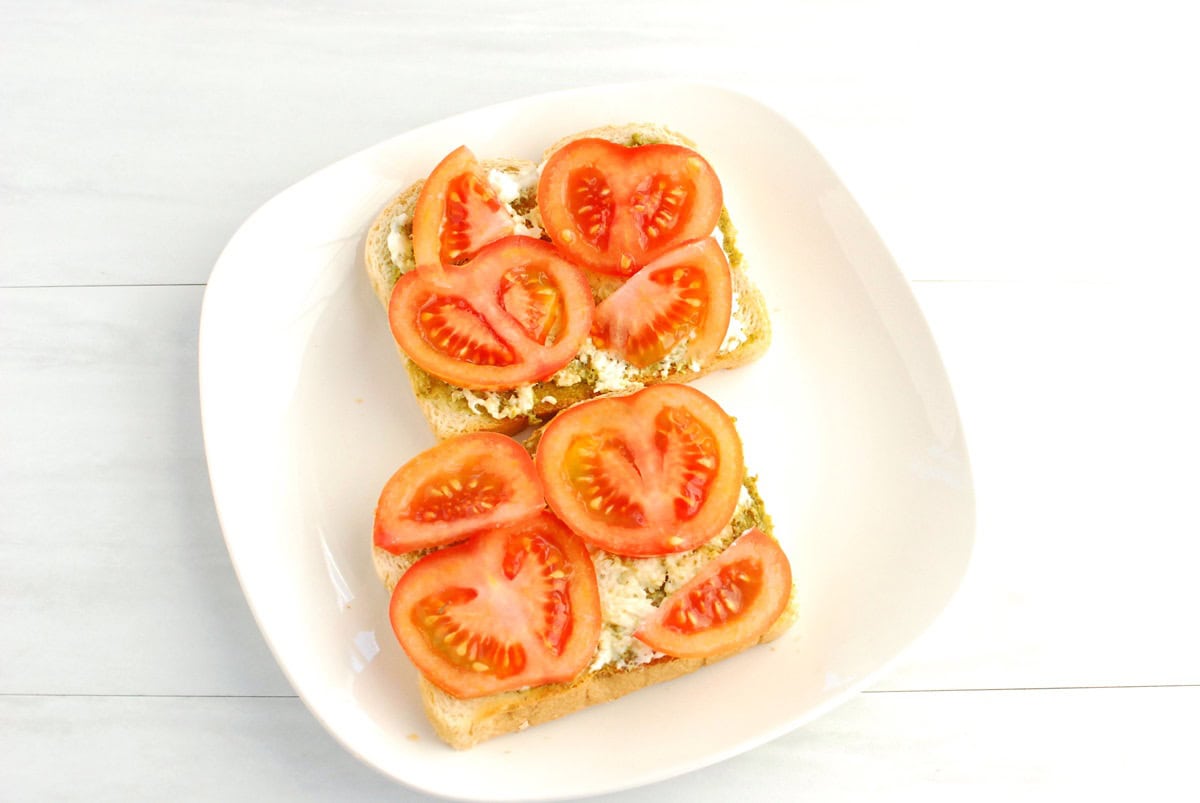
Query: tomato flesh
457 212
454 488
614 208
513 606
728 605
685 293
515 314
652 473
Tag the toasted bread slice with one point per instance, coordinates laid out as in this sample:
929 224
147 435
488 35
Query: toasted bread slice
451 410
464 723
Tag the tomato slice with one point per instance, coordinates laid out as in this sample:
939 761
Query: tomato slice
614 208
686 291
652 473
514 606
457 212
515 314
459 486
728 605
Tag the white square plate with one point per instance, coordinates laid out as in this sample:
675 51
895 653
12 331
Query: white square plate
848 420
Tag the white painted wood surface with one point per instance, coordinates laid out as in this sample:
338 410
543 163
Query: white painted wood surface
1031 166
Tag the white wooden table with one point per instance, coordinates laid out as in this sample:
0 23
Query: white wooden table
1032 166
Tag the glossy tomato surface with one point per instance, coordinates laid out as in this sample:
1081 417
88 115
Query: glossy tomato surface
684 295
652 473
728 605
454 488
457 212
614 208
515 314
513 606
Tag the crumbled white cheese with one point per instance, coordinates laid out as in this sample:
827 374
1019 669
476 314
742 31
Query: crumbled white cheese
506 187
623 604
612 373
399 245
522 225
569 374
676 358
512 404
736 334
629 586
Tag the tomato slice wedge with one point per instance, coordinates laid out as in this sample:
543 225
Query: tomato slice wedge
454 488
457 212
728 605
614 208
515 314
685 293
652 473
513 606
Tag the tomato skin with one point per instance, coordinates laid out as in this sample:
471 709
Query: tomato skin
515 314
455 488
729 605
511 607
457 212
687 291
613 208
652 473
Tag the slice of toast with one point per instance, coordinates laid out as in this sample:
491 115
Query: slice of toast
464 723
452 410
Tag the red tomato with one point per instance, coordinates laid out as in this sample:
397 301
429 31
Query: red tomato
515 314
613 208
652 473
512 607
461 485
457 213
686 290
728 605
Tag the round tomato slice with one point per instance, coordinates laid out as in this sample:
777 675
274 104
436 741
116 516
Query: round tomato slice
685 293
457 212
461 485
515 314
728 605
614 208
652 473
512 607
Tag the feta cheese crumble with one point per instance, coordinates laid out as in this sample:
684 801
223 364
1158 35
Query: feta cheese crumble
631 588
509 189
612 373
736 335
398 243
507 405
506 186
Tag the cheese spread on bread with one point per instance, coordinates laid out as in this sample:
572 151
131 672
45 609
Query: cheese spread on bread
631 588
736 335
509 188
512 404
606 372
399 240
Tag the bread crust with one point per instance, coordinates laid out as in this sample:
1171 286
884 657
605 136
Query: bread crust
446 407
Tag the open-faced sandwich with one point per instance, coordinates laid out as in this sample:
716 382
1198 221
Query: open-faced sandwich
516 289
622 545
